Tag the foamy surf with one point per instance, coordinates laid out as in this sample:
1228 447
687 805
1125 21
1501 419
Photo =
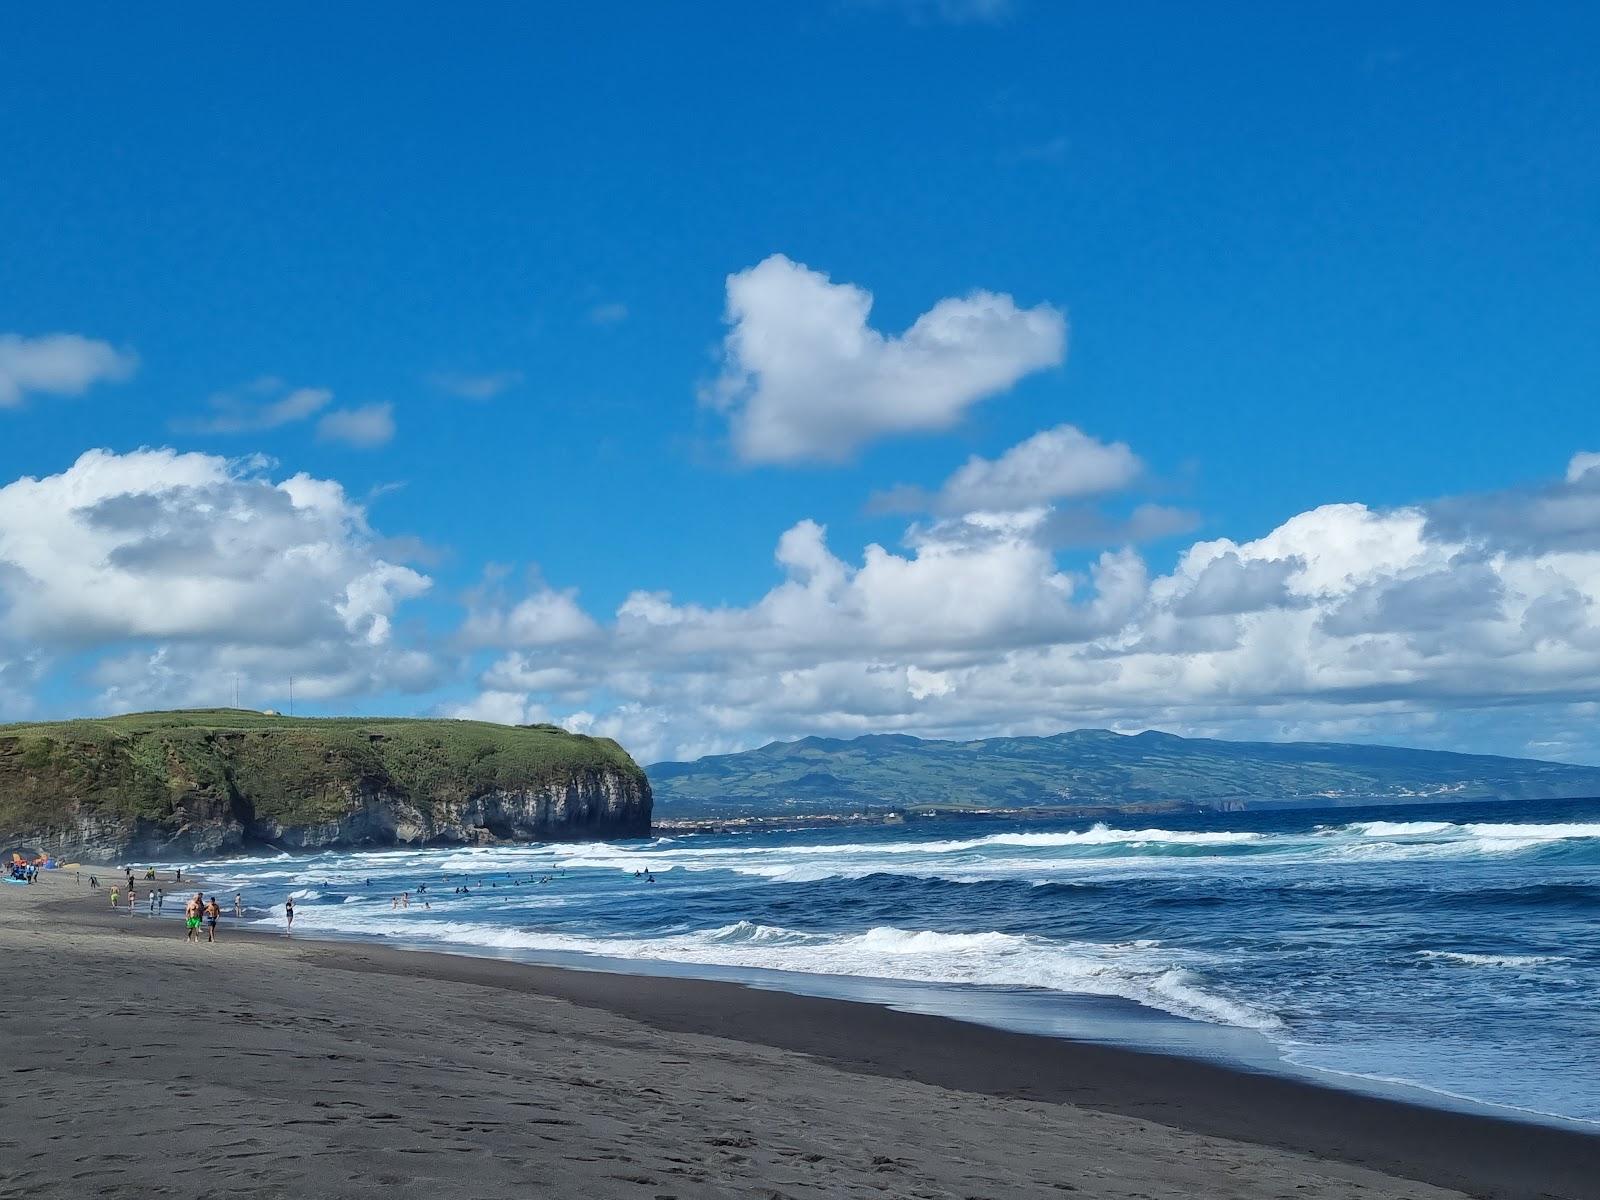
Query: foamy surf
1458 949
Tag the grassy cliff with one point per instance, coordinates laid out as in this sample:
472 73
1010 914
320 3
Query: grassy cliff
165 770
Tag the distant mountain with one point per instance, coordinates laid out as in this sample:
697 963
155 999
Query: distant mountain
1090 769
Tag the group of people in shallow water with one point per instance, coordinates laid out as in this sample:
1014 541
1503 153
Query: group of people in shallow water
198 912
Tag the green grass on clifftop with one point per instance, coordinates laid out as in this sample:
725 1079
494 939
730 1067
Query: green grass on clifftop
160 766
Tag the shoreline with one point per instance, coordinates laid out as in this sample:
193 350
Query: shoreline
1149 1031
1470 1152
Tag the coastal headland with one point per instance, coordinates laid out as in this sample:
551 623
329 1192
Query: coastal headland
262 1066
221 781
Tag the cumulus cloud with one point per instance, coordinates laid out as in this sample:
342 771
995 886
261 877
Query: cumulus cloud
1081 525
1581 464
503 708
1054 464
544 617
188 566
1405 624
1229 585
365 428
806 378
57 364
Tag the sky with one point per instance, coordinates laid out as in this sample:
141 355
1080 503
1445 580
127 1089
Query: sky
707 375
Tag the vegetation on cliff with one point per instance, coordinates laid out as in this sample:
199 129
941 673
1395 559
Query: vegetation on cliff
162 770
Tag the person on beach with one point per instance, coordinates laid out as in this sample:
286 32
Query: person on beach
152 903
161 900
116 895
288 917
132 896
191 918
213 911
238 904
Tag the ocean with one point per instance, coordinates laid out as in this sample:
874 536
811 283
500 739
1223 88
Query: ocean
1449 953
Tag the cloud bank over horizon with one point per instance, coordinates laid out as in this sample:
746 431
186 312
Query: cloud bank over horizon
1020 596
1345 621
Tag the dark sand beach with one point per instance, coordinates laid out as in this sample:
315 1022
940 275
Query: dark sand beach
264 1067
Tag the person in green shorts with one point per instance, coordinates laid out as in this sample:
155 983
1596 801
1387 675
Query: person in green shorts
191 918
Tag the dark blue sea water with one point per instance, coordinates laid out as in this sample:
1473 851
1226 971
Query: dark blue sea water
1452 948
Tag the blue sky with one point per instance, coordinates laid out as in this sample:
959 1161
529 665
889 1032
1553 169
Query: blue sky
1300 257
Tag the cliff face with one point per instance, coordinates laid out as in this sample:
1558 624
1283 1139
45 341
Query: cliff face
220 782
596 804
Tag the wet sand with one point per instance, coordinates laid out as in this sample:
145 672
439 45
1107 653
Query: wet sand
263 1067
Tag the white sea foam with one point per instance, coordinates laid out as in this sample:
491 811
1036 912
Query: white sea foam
1403 828
1535 833
1465 959
1142 970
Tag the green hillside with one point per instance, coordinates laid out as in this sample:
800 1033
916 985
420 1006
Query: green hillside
1089 768
168 770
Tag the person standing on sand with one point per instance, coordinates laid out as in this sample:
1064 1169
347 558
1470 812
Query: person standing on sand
152 902
161 900
191 918
213 911
288 917
238 904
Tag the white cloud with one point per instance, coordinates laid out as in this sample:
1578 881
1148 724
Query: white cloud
485 386
366 427
1581 464
503 708
1399 624
545 617
259 406
190 567
57 364
805 377
1054 464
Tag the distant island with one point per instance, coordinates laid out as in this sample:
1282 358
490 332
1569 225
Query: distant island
1088 772
218 781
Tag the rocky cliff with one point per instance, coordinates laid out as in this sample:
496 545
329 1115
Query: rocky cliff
225 781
